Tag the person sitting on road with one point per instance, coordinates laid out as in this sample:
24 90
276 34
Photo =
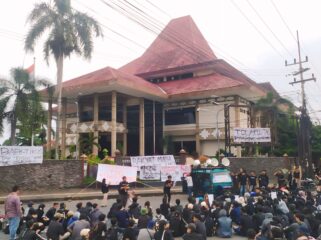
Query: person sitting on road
143 219
224 225
191 234
76 227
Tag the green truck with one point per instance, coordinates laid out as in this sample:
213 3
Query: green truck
210 180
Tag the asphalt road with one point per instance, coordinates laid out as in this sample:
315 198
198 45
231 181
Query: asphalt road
155 202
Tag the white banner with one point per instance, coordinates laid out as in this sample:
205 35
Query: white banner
221 177
252 135
176 171
17 155
161 160
114 174
149 173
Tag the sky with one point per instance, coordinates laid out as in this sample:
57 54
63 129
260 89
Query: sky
255 36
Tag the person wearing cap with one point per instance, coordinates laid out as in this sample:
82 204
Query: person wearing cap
143 219
167 188
191 234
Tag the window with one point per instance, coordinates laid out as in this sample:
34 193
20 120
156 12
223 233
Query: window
86 109
180 116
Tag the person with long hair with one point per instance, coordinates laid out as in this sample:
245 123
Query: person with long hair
297 175
104 190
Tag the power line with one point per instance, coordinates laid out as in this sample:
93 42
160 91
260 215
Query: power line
268 27
254 26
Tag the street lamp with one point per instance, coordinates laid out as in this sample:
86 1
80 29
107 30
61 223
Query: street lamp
217 115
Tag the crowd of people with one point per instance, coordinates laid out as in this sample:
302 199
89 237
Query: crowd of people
253 208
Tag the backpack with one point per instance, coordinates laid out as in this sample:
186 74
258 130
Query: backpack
209 224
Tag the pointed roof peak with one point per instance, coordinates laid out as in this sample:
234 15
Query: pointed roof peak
179 44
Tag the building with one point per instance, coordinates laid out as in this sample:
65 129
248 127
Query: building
169 98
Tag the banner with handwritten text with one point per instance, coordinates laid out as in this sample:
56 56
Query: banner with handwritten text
17 155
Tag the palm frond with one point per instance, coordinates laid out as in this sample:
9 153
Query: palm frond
3 114
86 27
37 29
40 10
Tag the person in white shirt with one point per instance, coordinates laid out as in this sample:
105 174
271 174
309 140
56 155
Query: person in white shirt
189 182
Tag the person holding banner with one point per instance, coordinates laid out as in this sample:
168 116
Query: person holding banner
104 190
167 188
123 191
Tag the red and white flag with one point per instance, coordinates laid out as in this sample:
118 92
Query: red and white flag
31 69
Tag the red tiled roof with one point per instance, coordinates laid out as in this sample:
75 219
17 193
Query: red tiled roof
180 43
269 88
198 84
108 76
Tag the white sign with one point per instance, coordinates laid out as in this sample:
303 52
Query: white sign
252 135
162 160
114 174
16 155
221 177
149 173
176 171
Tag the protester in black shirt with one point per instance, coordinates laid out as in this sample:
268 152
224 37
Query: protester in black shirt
281 178
252 181
51 212
167 188
55 228
243 182
104 190
235 186
123 188
263 179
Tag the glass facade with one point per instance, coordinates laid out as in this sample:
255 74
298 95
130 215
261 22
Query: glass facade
180 116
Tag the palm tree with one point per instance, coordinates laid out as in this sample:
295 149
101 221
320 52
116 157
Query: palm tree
19 101
88 142
70 31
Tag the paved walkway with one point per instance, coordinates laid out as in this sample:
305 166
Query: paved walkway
81 194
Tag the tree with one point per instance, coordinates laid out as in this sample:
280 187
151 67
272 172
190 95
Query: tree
20 102
70 31
87 141
278 114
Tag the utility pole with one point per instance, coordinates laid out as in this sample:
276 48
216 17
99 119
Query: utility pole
304 144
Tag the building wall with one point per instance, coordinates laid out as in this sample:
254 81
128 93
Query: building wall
51 174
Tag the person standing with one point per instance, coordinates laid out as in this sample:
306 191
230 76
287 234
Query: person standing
281 179
123 188
104 190
243 181
189 181
13 211
297 175
167 188
252 181
263 179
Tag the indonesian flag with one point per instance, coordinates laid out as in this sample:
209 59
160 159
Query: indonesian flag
31 69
